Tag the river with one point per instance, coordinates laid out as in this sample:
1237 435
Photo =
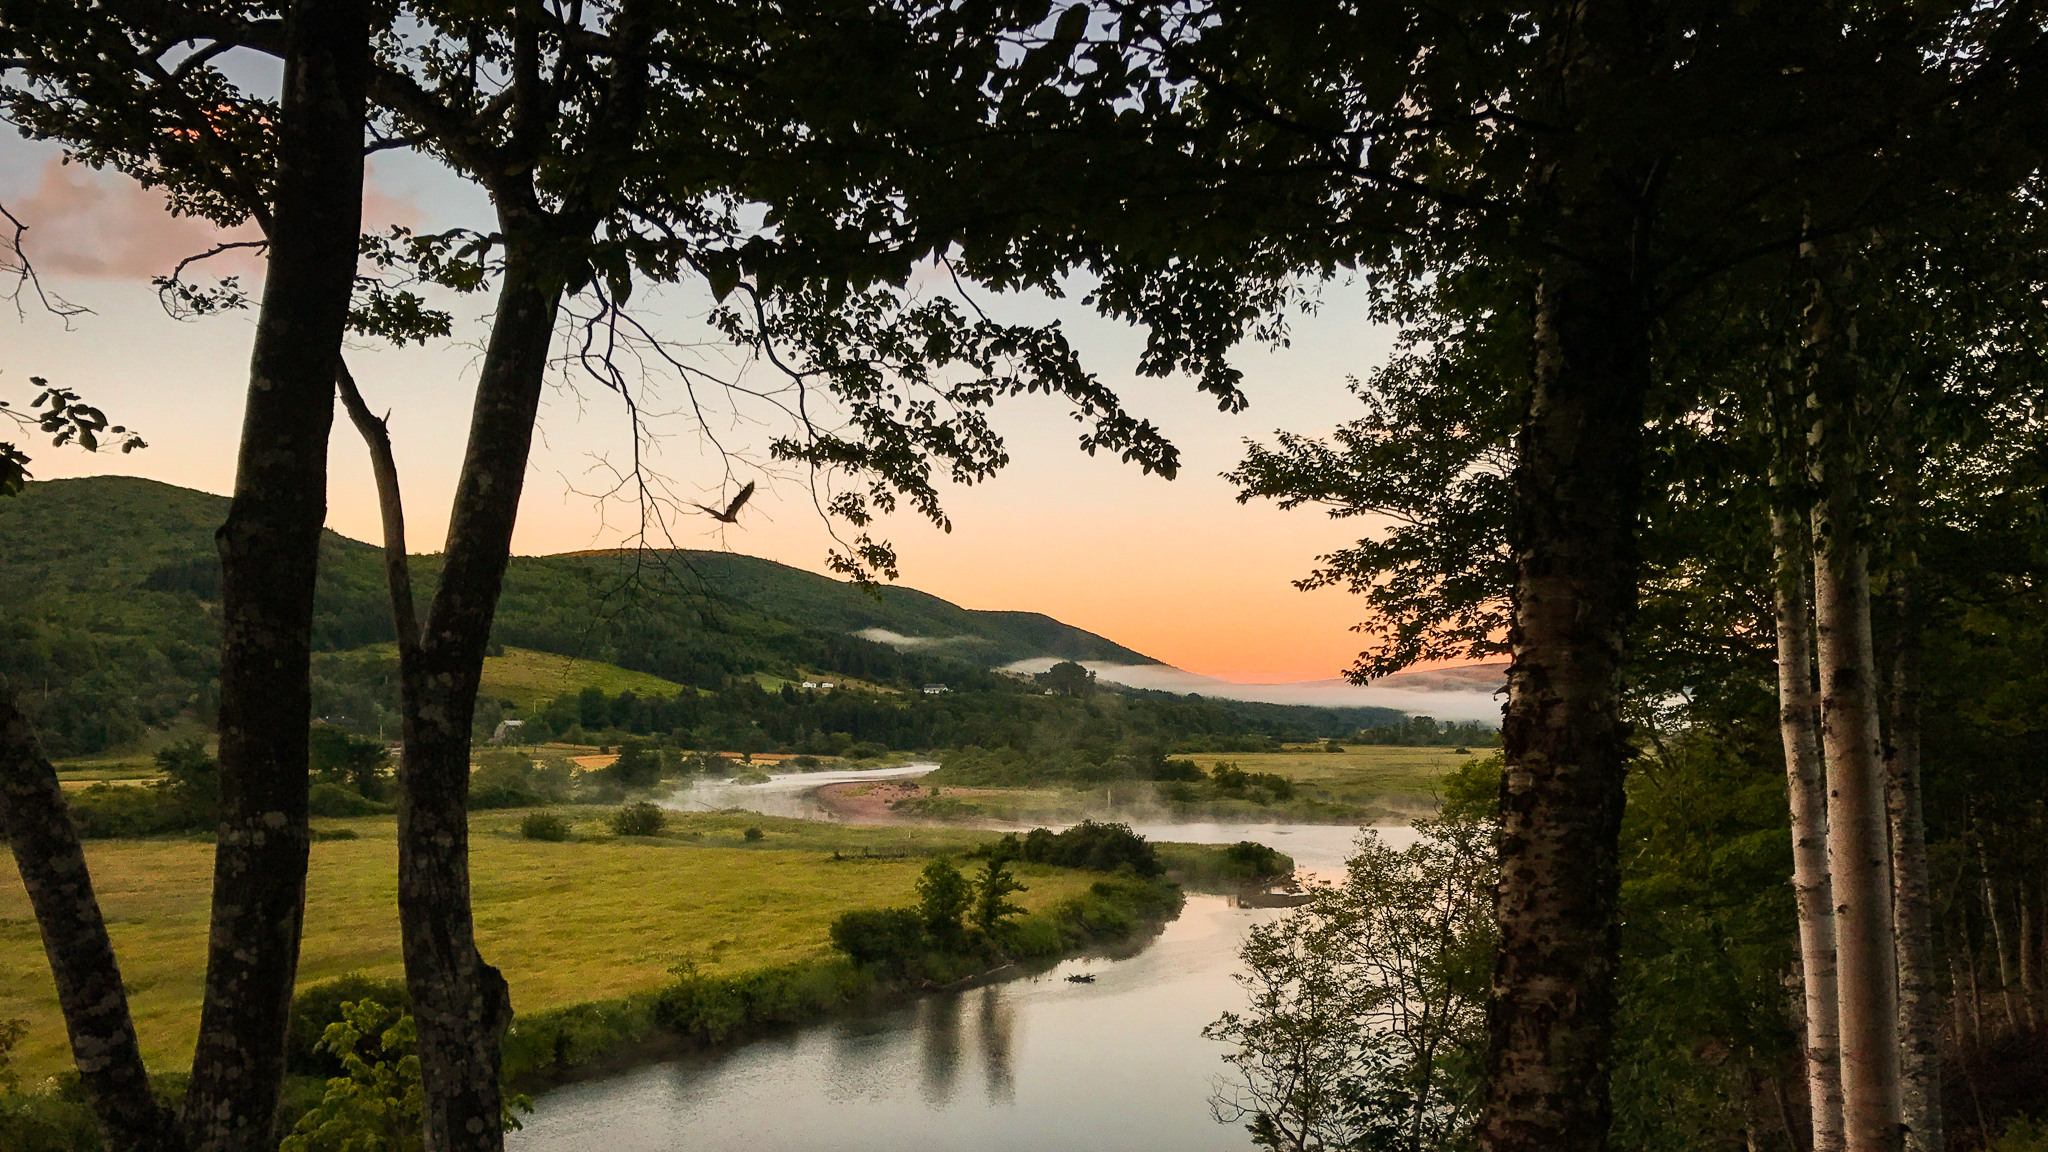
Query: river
1024 1065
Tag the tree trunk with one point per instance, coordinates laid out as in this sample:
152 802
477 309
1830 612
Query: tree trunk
1912 918
1857 848
89 989
1550 1018
1798 721
1999 947
1859 856
270 549
460 1003
2030 972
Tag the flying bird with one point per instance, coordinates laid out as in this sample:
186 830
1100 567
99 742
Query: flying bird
731 515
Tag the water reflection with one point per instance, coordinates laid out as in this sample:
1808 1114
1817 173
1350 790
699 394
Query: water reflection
939 1047
1116 1064
996 1027
1119 1063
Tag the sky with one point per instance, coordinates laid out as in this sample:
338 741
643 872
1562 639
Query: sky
1177 570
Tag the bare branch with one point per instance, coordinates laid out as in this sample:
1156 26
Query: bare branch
376 435
14 262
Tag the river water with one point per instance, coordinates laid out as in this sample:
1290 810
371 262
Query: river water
1029 1064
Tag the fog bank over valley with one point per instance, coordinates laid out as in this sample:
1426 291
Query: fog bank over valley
1445 693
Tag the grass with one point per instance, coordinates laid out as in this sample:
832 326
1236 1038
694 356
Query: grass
567 923
531 679
1378 775
1359 785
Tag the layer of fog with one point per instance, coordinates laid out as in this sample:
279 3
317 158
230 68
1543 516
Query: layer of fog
902 643
1449 703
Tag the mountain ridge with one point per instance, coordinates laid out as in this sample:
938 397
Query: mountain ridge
113 585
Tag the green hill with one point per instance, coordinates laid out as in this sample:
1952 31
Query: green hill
113 591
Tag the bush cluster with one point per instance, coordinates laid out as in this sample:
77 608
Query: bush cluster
318 1005
1089 845
505 779
544 826
639 819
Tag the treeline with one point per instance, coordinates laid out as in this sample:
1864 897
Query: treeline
1427 732
1109 730
115 586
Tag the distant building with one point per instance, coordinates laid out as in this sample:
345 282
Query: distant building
506 730
827 685
935 689
812 684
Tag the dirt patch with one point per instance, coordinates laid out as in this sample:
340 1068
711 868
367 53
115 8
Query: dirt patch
867 801
874 801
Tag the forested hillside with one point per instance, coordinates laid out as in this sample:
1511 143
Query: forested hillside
113 588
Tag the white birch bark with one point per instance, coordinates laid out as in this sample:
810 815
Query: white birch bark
1858 852
1807 790
1919 993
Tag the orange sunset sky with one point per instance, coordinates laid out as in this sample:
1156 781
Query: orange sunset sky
1178 570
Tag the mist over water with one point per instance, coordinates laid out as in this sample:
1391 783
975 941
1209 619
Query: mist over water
1444 703
790 794
1022 1065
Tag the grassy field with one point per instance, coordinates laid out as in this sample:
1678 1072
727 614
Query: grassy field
566 922
1361 785
531 679
1381 775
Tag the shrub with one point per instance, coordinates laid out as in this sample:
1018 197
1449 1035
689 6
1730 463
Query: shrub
805 762
375 1103
638 766
639 819
879 937
1256 859
754 833
341 757
319 1005
544 826
330 799
11 1032
510 780
715 1007
867 750
48 1122
104 811
1230 780
1096 847
190 773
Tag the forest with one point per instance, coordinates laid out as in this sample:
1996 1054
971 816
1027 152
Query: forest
1715 404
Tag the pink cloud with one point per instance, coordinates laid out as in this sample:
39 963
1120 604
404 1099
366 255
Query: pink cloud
103 225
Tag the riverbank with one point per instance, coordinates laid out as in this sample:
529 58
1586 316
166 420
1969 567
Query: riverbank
598 918
700 1011
1354 786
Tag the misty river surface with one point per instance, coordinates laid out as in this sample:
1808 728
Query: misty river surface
1023 1065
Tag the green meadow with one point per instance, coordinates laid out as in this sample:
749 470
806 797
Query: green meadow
596 917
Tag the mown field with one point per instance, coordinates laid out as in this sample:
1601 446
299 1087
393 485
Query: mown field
1384 775
1363 785
566 922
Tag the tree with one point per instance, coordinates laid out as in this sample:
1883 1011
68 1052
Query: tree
1069 679
992 888
943 897
341 756
99 81
1366 1021
1581 150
